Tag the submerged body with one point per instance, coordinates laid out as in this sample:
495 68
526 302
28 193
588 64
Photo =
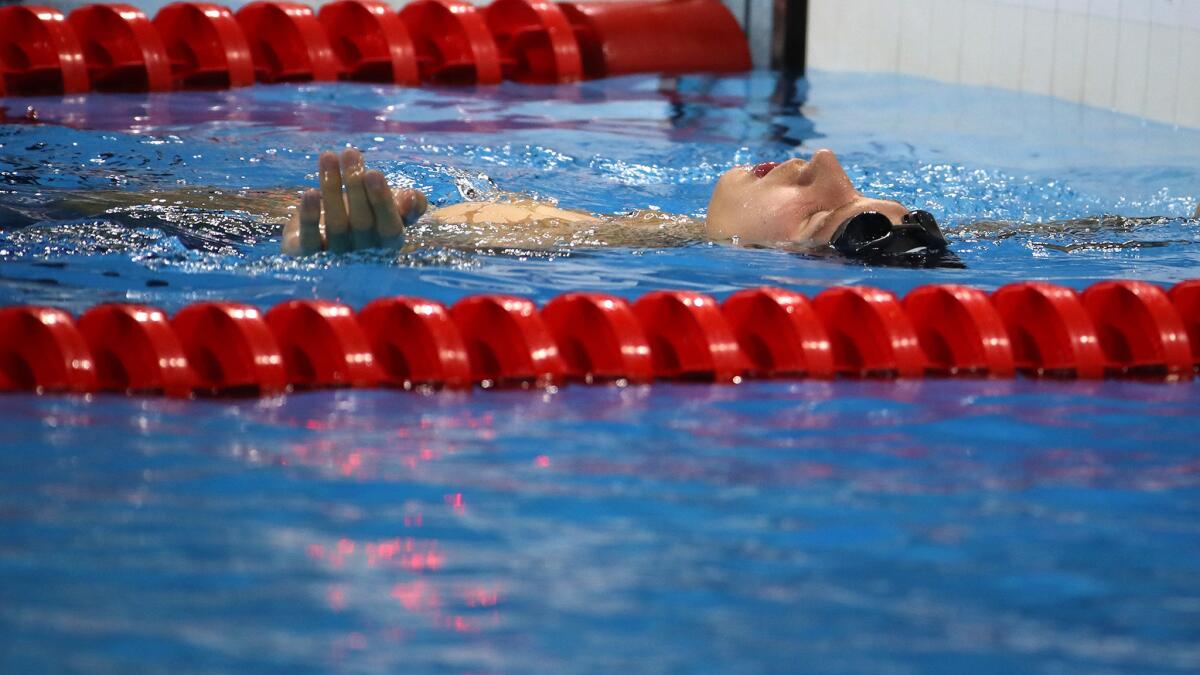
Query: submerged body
802 202
799 205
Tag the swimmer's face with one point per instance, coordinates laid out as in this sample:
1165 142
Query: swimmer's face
794 201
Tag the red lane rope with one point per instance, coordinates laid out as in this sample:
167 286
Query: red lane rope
1112 329
195 45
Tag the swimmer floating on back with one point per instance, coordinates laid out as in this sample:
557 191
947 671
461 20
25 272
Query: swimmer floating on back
802 202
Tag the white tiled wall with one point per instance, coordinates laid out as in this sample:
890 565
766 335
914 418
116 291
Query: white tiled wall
1137 56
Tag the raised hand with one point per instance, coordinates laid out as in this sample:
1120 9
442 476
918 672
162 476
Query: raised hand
366 214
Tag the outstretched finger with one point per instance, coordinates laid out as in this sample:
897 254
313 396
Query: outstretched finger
337 225
291 236
302 234
362 218
389 226
309 218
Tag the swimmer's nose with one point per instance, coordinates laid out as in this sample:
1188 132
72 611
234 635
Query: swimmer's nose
827 165
824 156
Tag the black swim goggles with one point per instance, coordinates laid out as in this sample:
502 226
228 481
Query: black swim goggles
873 237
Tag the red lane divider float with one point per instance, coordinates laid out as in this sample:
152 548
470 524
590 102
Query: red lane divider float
122 49
135 349
454 45
1050 330
668 36
960 331
39 53
230 349
370 41
535 40
288 43
599 338
507 340
1114 328
689 337
1140 331
322 344
1186 298
205 45
870 333
195 45
42 350
416 343
779 333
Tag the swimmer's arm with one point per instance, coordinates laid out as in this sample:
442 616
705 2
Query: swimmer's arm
527 224
515 212
272 204
354 209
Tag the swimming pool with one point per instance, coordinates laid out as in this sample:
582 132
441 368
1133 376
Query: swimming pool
841 526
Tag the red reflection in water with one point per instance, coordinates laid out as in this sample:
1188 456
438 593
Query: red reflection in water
385 550
336 596
479 596
351 464
363 462
461 624
417 596
445 605
430 560
456 502
154 113
406 552
359 447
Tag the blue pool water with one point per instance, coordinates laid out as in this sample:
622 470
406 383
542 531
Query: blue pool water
1007 526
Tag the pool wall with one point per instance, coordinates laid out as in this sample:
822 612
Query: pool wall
1134 56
